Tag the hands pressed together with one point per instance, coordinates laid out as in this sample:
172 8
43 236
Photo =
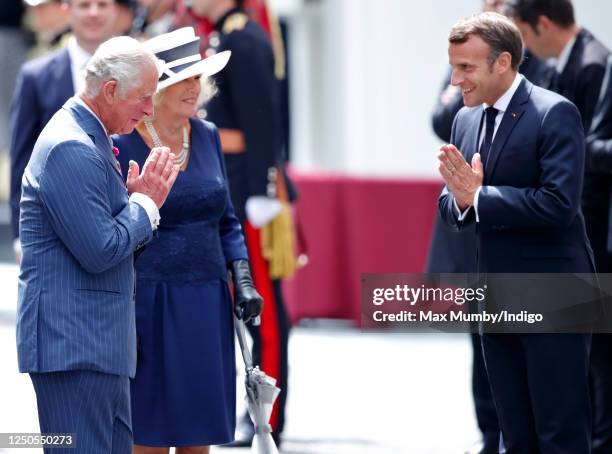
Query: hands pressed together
462 179
158 175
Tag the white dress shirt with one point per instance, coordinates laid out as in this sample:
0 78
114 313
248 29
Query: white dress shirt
79 58
564 56
501 105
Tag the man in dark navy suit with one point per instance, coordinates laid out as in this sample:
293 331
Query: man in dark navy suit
455 252
549 29
522 191
45 83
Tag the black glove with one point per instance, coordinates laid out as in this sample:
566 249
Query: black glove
247 302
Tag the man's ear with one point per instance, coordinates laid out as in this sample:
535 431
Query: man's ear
504 62
109 90
544 24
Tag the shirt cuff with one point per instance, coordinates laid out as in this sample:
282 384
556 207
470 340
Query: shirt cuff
460 216
476 202
149 206
260 210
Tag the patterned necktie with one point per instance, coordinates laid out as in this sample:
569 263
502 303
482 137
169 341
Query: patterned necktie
491 114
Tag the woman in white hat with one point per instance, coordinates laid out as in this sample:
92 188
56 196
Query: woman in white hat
183 394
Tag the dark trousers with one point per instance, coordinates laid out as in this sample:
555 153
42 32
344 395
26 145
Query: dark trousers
93 405
455 252
601 356
271 338
540 387
601 392
486 415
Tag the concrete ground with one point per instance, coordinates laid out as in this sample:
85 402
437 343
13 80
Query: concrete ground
350 392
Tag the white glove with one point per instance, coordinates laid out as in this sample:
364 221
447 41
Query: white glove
260 210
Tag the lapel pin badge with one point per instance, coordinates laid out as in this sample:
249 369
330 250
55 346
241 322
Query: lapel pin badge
513 114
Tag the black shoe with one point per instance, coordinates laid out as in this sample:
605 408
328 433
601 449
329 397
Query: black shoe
277 439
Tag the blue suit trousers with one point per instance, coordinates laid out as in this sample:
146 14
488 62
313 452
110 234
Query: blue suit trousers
94 406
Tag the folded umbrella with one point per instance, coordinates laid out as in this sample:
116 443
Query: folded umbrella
261 393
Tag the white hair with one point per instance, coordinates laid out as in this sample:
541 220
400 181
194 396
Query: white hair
122 59
208 90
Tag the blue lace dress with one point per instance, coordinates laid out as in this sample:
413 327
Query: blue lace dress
184 390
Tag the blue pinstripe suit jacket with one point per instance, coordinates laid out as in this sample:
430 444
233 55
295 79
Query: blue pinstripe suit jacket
78 232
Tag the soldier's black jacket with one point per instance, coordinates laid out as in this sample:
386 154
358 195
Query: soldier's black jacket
248 100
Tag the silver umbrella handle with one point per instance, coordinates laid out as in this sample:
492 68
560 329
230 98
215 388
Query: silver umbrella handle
244 348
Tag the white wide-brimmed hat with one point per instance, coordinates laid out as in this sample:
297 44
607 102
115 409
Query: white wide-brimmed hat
179 52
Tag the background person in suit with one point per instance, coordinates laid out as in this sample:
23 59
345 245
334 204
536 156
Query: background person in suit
549 29
599 159
247 112
14 43
521 189
599 139
45 83
75 321
48 20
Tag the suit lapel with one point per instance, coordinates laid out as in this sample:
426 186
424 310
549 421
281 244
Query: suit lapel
511 117
568 78
470 148
476 143
95 131
63 88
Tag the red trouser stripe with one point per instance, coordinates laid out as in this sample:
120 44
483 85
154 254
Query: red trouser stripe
269 334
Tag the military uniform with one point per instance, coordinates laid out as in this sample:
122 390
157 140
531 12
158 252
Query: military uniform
247 109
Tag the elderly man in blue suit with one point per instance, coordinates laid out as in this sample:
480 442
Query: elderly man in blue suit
79 227
45 83
522 190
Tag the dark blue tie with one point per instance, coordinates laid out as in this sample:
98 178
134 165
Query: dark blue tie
489 129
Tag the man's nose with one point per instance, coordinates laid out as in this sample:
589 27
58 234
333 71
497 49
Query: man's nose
93 9
148 108
456 77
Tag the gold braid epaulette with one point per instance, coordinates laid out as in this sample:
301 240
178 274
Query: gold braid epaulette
235 22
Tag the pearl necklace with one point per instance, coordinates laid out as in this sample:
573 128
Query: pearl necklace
181 159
